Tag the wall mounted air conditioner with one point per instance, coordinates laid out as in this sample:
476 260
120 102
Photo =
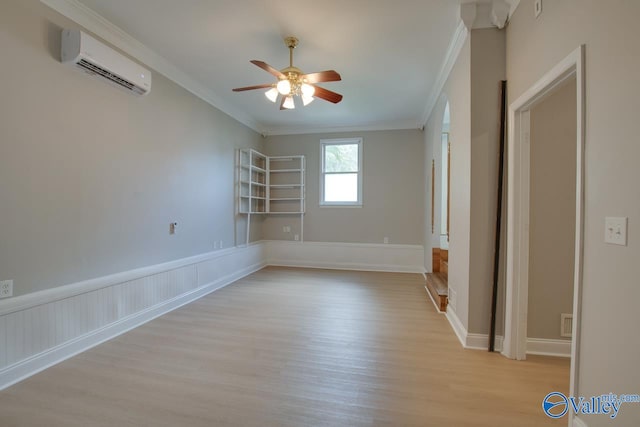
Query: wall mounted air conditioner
87 54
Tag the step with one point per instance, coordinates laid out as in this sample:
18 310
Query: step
444 268
439 289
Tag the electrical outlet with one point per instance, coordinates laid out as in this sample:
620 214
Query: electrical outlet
220 244
6 288
615 230
385 240
296 237
286 229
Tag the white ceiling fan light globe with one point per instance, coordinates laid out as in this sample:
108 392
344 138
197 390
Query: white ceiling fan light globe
288 103
272 94
307 90
306 100
284 87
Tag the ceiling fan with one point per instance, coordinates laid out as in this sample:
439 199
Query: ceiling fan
293 83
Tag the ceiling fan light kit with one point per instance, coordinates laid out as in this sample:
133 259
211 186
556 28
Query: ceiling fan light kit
292 83
284 87
288 103
272 94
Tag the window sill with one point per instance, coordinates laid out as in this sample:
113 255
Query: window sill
327 205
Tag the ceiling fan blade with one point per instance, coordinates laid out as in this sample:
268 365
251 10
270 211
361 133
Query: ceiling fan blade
327 95
264 86
322 76
268 68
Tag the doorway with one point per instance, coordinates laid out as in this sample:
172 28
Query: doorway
518 209
552 201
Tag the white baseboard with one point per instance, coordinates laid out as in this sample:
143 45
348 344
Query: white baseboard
535 346
434 301
470 340
481 342
549 347
346 256
42 330
458 327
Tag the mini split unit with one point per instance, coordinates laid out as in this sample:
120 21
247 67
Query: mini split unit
87 54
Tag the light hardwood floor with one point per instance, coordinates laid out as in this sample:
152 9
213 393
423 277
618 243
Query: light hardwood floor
292 347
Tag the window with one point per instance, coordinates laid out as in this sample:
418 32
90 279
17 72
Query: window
341 172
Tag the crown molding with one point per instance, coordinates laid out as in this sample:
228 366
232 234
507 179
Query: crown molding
288 130
455 46
513 6
101 27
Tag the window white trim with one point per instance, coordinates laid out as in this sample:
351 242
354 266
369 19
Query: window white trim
340 141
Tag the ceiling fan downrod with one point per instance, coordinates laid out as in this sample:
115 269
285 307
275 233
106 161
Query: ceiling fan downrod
291 42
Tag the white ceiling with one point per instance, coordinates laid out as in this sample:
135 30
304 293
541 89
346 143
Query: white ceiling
389 53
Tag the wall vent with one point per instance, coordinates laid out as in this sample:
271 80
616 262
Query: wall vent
566 325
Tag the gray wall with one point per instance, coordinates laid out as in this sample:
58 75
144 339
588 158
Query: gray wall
91 176
393 190
457 90
609 348
552 212
473 91
488 68
433 152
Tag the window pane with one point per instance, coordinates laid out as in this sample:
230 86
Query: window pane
341 158
341 187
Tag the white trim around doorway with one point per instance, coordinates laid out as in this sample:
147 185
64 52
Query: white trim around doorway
515 340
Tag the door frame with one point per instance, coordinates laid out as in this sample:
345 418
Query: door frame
515 340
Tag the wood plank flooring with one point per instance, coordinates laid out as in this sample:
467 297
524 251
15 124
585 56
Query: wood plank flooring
292 347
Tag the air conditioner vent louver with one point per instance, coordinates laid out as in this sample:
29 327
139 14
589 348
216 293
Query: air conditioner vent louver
97 59
104 73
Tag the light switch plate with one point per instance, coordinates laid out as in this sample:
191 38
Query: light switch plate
615 230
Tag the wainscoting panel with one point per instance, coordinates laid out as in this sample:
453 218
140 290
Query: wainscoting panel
346 256
44 328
